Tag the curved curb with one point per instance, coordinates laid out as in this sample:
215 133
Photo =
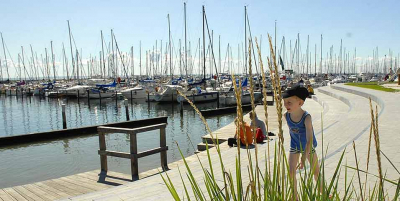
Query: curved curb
341 98
365 95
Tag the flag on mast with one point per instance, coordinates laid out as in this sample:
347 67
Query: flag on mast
281 62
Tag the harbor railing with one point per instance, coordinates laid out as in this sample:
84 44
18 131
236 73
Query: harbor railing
133 155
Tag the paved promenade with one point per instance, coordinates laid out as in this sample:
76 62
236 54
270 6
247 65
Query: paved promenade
346 118
344 121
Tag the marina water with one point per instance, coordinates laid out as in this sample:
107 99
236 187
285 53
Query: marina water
33 162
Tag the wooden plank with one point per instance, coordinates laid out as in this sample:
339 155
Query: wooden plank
27 194
51 190
5 197
40 193
78 182
72 186
114 154
109 179
98 185
62 188
14 194
104 129
59 134
151 151
149 128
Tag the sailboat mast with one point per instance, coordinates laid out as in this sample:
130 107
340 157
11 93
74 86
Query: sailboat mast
204 46
140 60
72 54
245 40
219 50
170 48
54 62
321 55
186 62
77 64
132 62
47 65
102 50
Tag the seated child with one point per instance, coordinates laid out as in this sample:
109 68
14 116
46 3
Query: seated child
243 141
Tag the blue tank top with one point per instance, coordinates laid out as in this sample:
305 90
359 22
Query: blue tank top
297 130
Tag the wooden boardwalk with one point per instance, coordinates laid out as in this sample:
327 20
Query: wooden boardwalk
65 187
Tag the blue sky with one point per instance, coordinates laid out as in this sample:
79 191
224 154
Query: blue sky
364 25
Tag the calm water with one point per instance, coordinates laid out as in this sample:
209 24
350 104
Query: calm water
46 160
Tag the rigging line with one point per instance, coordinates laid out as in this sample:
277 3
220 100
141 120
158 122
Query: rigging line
211 42
252 45
26 71
123 63
12 61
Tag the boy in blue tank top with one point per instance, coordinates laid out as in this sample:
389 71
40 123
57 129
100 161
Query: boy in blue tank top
302 138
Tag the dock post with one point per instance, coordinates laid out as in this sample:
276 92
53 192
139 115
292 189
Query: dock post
116 99
398 79
22 94
163 154
126 109
78 96
218 100
88 98
148 98
64 117
131 97
181 103
134 158
103 158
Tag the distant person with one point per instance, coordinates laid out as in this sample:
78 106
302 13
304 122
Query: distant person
301 82
248 140
310 90
302 138
261 130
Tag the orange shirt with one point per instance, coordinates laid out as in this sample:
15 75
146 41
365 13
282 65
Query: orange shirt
249 135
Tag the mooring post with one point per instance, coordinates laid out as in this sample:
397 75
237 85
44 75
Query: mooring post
163 154
134 159
88 98
181 103
78 95
148 99
398 76
22 93
126 109
116 99
218 100
103 158
131 97
64 117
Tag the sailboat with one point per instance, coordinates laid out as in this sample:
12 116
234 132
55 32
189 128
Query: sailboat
229 98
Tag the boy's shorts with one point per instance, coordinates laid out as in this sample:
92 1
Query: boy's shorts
296 151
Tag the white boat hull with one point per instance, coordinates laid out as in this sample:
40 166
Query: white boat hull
134 94
230 99
196 98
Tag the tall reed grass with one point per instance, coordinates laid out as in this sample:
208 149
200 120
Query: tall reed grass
271 181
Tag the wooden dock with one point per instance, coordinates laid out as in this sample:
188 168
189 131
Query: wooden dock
65 187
